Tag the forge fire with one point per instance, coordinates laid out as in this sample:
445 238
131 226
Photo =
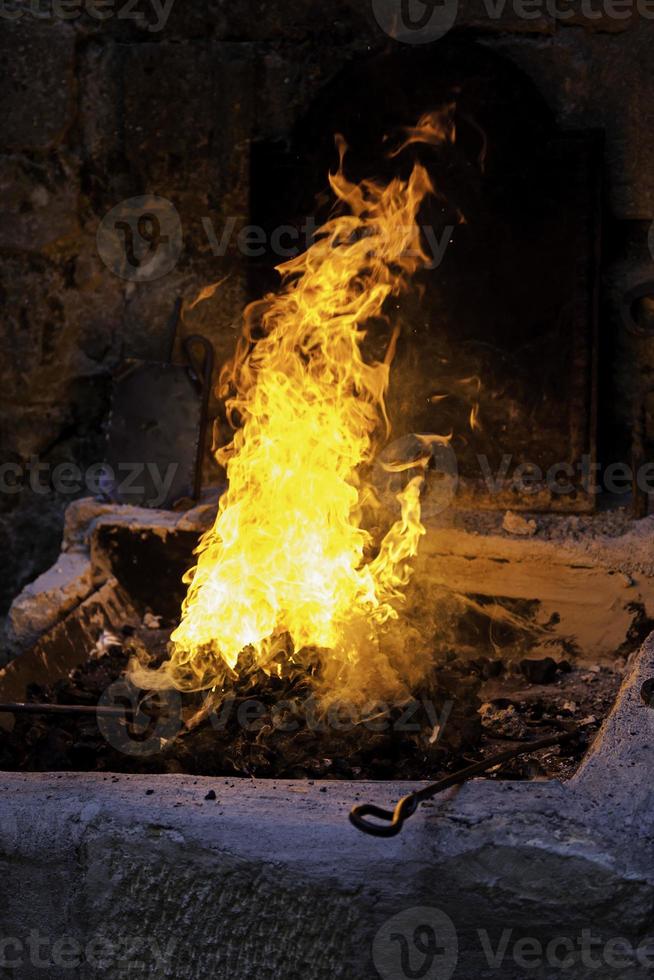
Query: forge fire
287 565
327 627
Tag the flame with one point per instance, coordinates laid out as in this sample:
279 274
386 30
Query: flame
208 292
287 566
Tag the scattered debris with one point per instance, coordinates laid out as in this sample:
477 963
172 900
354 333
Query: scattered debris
517 524
502 722
107 643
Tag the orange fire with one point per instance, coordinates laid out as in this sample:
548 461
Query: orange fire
288 567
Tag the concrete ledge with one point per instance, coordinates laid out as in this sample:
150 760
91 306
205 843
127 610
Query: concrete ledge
83 566
594 584
271 880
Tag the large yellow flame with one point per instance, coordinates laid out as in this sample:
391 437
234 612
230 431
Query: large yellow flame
287 565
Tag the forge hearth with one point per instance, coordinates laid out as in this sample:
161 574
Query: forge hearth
273 727
160 850
156 170
538 648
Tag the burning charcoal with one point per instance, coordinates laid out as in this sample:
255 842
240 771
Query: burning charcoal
539 671
286 742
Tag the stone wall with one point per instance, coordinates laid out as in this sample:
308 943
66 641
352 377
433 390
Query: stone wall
97 112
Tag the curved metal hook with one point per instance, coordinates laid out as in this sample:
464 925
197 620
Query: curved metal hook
405 808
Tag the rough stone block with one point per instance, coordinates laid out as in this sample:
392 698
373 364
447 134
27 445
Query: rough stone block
199 158
148 555
258 20
30 535
214 84
48 599
79 522
61 322
37 67
67 644
38 202
100 105
595 80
